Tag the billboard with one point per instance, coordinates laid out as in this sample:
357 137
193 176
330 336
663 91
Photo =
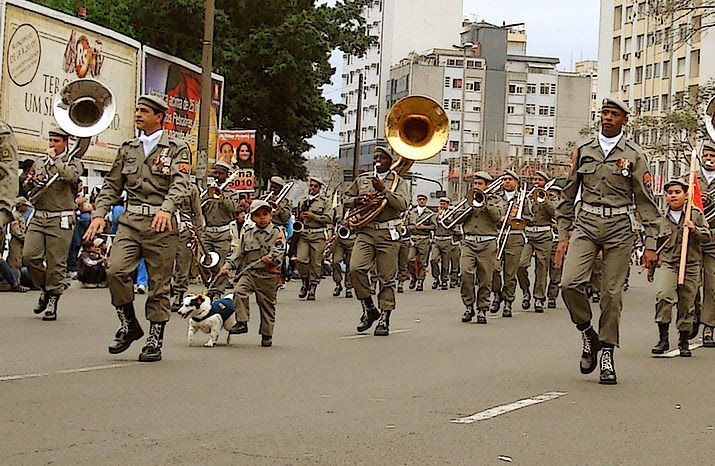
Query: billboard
238 149
179 84
42 51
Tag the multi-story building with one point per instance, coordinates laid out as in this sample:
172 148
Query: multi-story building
401 28
653 63
590 68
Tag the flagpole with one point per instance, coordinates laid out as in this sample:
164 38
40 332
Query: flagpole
688 211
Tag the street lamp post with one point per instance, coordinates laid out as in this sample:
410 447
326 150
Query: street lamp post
464 47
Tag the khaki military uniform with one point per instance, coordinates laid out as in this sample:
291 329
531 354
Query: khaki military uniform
9 182
539 243
454 258
505 282
18 232
669 293
257 277
554 273
441 251
403 255
283 213
420 234
604 222
312 240
49 234
377 244
190 205
707 315
342 249
157 181
217 234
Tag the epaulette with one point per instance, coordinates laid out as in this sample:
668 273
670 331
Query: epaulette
633 145
584 142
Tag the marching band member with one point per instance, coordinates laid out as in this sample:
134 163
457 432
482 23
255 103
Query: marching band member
442 248
190 206
377 243
403 256
420 230
315 212
554 272
706 180
285 207
342 250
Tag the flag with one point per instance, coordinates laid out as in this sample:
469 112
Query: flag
697 196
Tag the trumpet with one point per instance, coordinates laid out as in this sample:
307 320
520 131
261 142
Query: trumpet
540 195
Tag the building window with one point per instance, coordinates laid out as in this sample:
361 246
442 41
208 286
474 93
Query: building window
680 71
446 81
474 86
530 109
457 83
543 130
456 104
454 146
450 62
656 70
531 88
639 42
476 108
454 125
639 74
516 89
552 111
544 88
446 103
654 103
553 89
528 130
617 18
529 150
648 71
551 131
543 110
664 100
510 109
541 151
666 69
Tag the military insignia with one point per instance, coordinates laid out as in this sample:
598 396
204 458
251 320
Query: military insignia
221 306
625 166
6 155
647 180
185 157
184 168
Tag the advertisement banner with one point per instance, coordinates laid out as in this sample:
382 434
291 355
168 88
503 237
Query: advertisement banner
238 149
42 53
179 84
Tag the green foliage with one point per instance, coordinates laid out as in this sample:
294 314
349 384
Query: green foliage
274 55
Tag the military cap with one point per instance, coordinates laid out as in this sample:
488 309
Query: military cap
484 176
609 102
422 195
278 180
223 165
153 102
444 199
258 204
21 200
98 242
57 131
317 180
709 145
382 150
676 181
511 173
543 174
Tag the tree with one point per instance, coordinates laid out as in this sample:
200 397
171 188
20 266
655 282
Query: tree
684 19
274 55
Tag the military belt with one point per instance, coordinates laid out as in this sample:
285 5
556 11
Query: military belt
386 225
480 238
443 237
605 211
313 230
538 229
48 214
144 209
221 229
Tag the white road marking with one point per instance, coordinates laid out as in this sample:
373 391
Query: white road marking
503 409
365 335
676 352
78 370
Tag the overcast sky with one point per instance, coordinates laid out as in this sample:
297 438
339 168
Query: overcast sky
567 29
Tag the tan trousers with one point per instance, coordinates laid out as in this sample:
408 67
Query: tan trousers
374 248
403 258
454 262
707 316
310 251
510 265
265 286
419 251
182 264
136 239
670 294
441 249
46 241
477 263
221 244
554 273
342 252
539 245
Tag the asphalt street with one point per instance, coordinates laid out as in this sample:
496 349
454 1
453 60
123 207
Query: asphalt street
325 395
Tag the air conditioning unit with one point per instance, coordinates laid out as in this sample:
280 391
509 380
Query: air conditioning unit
626 56
638 54
542 138
624 88
666 46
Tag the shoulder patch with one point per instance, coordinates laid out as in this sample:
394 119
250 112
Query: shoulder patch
6 154
184 167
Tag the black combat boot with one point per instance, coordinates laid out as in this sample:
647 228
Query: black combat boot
468 314
445 285
496 303
708 341
239 328
152 350
435 284
539 306
591 346
348 292
400 287
420 285
507 309
338 289
684 345
552 303
311 292
304 289
663 344
608 371
526 302
42 302
481 316
413 283
369 315
266 341
128 332
51 311
178 302
383 324
453 284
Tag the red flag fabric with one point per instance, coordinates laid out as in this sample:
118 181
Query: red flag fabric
697 196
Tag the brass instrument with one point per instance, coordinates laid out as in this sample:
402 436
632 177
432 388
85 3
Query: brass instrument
514 223
517 222
205 259
416 128
405 219
83 108
541 195
215 193
276 204
476 199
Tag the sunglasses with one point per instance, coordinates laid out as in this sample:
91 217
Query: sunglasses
314 185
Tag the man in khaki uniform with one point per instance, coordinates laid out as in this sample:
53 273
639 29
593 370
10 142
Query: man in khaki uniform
342 250
611 173
421 228
539 243
9 182
219 213
18 232
479 251
403 255
706 180
454 254
49 234
377 243
285 207
154 171
441 248
315 212
189 212
554 272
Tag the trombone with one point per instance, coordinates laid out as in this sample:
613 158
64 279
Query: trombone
476 199
515 223
214 192
204 259
282 194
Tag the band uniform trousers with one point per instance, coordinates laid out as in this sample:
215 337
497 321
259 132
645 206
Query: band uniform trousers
510 266
539 244
441 249
221 244
342 251
454 259
554 273
136 239
403 257
670 294
420 251
182 264
310 253
265 286
477 262
595 283
614 236
707 314
375 248
48 239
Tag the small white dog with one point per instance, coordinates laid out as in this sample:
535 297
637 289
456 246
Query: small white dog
208 317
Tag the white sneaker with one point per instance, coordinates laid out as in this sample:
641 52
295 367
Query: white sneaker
141 289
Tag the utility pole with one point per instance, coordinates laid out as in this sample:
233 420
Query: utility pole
202 160
358 123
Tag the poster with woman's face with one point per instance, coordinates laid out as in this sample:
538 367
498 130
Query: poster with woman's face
237 148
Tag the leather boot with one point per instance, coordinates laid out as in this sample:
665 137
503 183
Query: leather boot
42 302
468 314
338 289
663 344
507 309
413 283
239 328
481 316
128 332
496 303
304 289
591 346
311 292
608 370
539 306
348 292
420 285
445 285
526 302
51 311
435 284
152 350
383 324
400 287
684 345
369 315
708 341
552 303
